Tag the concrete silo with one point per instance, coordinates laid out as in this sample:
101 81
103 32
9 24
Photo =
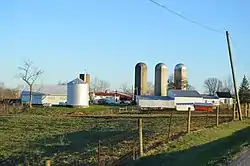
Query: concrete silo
180 76
161 77
85 78
141 86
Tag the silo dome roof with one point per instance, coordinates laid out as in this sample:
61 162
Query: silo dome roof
160 65
140 64
180 65
77 81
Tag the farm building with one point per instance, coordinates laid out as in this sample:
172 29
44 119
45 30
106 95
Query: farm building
43 94
185 99
155 102
212 99
225 97
112 95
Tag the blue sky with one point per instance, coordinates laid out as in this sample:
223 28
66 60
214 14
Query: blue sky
108 37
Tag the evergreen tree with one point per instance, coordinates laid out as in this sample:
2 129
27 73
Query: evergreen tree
244 90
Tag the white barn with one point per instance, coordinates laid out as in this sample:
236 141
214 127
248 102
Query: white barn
212 100
185 99
46 94
225 97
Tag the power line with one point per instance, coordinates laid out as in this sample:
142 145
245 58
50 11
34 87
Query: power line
186 18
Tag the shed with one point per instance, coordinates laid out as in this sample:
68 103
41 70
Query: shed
41 94
155 102
225 97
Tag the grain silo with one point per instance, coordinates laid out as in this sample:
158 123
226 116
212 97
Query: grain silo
78 93
85 78
141 86
161 76
180 76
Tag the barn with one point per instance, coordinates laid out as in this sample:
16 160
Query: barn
212 100
155 102
46 94
185 99
225 97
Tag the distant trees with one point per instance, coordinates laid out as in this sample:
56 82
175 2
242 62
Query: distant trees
244 90
171 84
150 90
29 74
125 88
98 85
213 85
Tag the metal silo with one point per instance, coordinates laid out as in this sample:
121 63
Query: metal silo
180 76
78 93
141 86
161 76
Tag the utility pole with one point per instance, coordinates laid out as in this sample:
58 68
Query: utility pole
234 79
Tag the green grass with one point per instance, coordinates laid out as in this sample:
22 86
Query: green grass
213 146
39 133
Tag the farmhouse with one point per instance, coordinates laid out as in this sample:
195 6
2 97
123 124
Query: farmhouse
43 94
225 97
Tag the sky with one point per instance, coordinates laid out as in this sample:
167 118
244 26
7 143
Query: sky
108 37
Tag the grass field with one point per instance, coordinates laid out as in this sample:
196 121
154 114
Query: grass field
213 146
41 133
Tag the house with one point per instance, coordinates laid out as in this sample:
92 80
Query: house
45 94
225 97
185 99
211 99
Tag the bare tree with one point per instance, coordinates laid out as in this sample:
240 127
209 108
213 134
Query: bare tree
125 88
150 90
29 75
98 85
171 84
228 85
212 85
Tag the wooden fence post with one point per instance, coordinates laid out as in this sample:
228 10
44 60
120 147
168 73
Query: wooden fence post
47 162
99 153
246 110
217 116
169 126
189 120
234 107
140 137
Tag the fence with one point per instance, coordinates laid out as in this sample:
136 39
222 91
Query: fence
117 139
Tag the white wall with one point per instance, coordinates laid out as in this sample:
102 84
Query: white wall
144 103
41 99
226 101
212 101
55 99
184 107
188 100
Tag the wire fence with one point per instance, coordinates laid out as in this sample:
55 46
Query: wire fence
116 141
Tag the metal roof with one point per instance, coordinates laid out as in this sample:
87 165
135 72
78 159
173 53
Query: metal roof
155 97
46 89
77 81
185 93
224 94
210 97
